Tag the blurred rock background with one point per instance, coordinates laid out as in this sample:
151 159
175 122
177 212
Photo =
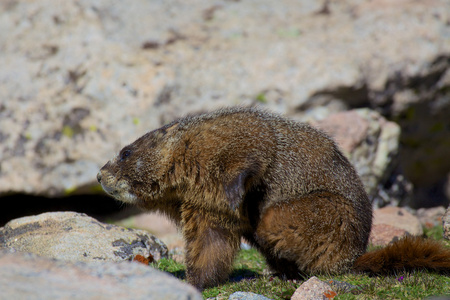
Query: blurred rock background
79 79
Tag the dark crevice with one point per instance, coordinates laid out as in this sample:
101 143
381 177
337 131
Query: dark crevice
100 207
350 96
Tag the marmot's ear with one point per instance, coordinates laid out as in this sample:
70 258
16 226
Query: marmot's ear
172 127
235 189
164 130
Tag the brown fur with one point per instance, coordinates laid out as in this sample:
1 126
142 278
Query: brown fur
407 254
237 172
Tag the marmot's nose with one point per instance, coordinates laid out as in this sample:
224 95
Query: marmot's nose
99 177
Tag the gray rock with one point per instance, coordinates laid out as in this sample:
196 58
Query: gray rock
392 223
77 237
369 141
81 79
398 217
27 276
384 234
446 224
313 289
246 296
430 217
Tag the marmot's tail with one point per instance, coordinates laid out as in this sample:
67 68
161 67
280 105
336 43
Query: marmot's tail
407 254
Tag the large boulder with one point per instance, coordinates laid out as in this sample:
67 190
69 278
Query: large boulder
80 79
27 276
371 143
77 237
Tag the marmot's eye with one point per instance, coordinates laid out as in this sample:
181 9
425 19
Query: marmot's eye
124 154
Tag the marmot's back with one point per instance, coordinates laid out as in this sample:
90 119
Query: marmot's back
298 158
290 159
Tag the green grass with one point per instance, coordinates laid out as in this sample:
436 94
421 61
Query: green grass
436 232
170 266
408 285
251 275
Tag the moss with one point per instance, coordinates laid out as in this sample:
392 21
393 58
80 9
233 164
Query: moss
261 97
289 32
410 113
411 142
437 127
68 131
96 188
70 190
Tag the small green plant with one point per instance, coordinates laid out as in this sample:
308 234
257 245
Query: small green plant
436 232
70 190
68 131
170 266
289 32
261 97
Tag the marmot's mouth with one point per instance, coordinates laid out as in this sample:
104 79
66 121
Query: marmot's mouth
110 191
121 195
126 197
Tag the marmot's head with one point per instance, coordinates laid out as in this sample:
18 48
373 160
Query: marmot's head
135 175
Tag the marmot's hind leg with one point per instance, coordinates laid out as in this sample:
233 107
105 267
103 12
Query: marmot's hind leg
314 234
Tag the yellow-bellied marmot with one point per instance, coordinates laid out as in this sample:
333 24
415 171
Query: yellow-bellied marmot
282 185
